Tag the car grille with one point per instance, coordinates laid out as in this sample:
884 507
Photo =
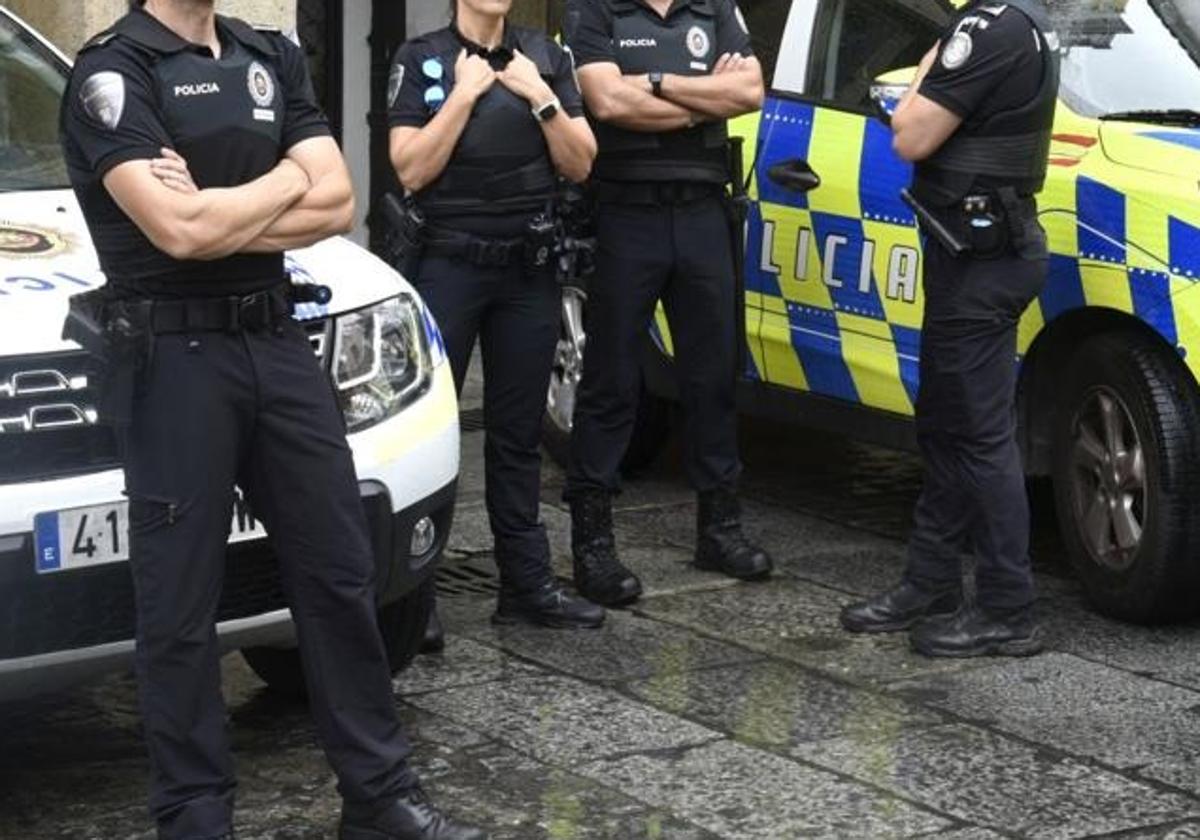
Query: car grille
48 422
87 607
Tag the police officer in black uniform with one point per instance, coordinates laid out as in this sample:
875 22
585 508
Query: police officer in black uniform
978 122
199 155
660 78
485 119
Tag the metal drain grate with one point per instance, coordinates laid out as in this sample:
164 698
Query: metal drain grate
471 420
459 578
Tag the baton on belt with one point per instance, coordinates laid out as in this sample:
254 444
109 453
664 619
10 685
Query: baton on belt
934 227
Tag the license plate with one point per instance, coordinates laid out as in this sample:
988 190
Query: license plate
99 534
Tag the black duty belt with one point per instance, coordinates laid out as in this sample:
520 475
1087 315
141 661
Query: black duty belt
491 253
656 192
246 313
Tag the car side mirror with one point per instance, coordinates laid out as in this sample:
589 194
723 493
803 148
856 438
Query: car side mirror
887 91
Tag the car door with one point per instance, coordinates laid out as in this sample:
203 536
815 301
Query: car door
834 250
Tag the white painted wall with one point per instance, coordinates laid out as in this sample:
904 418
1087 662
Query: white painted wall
427 15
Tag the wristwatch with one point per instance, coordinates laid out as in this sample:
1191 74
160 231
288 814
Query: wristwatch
542 113
656 83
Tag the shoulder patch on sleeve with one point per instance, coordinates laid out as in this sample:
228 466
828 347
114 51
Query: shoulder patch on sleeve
958 50
741 18
102 96
395 82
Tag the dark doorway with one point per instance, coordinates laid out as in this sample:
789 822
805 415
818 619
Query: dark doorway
387 34
319 25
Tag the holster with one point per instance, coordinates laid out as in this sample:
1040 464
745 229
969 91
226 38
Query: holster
116 336
404 234
1026 233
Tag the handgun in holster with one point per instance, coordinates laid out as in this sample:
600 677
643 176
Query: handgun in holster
116 336
575 222
404 237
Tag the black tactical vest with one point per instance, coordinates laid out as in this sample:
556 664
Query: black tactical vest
1009 149
684 45
501 164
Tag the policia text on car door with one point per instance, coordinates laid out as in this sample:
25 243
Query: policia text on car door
978 122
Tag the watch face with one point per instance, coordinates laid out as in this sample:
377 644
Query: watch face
548 111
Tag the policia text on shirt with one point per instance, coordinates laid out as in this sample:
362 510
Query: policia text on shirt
978 121
199 155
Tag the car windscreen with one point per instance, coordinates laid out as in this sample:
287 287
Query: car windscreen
1129 56
32 81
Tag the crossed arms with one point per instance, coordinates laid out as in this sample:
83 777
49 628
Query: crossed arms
307 197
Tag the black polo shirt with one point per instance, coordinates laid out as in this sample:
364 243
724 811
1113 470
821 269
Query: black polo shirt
482 190
687 42
139 87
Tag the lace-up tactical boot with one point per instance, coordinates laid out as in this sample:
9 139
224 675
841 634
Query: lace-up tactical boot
599 573
721 544
411 816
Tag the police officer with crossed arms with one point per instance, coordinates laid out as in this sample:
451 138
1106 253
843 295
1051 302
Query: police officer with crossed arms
486 117
660 79
978 121
199 156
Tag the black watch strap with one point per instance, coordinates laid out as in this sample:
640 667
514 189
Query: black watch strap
656 80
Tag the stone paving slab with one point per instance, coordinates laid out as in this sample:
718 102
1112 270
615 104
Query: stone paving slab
1186 831
562 721
779 705
1080 707
626 647
967 834
739 792
1001 783
797 621
464 662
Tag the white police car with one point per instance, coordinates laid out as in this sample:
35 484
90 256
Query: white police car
66 600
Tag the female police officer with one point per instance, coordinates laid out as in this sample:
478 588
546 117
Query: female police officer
485 118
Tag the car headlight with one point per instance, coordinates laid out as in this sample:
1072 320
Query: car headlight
381 361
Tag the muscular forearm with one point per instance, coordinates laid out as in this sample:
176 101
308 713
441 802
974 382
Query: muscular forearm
325 210
424 155
726 95
627 105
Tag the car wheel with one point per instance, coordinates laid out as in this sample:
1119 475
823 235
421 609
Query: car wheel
652 425
402 625
1127 478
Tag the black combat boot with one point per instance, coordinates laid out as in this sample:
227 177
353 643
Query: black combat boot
900 607
411 816
974 631
599 573
547 604
434 640
721 545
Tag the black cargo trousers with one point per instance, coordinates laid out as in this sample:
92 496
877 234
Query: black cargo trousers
253 408
974 498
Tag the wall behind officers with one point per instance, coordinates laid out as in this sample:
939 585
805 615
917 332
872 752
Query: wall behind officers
199 155
660 78
485 119
978 122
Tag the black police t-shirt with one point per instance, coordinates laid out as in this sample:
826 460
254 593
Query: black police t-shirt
140 88
501 136
985 66
687 42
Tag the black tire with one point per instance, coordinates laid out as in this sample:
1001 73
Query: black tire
402 625
1130 524
652 425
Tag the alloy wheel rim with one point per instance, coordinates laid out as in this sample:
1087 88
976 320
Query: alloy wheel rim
568 361
1108 477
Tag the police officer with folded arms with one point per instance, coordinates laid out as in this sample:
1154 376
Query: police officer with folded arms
486 117
977 121
199 155
660 79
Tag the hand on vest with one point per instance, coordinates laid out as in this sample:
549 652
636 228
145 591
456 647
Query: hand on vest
173 171
473 76
522 77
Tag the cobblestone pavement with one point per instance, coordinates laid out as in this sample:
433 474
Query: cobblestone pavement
711 710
